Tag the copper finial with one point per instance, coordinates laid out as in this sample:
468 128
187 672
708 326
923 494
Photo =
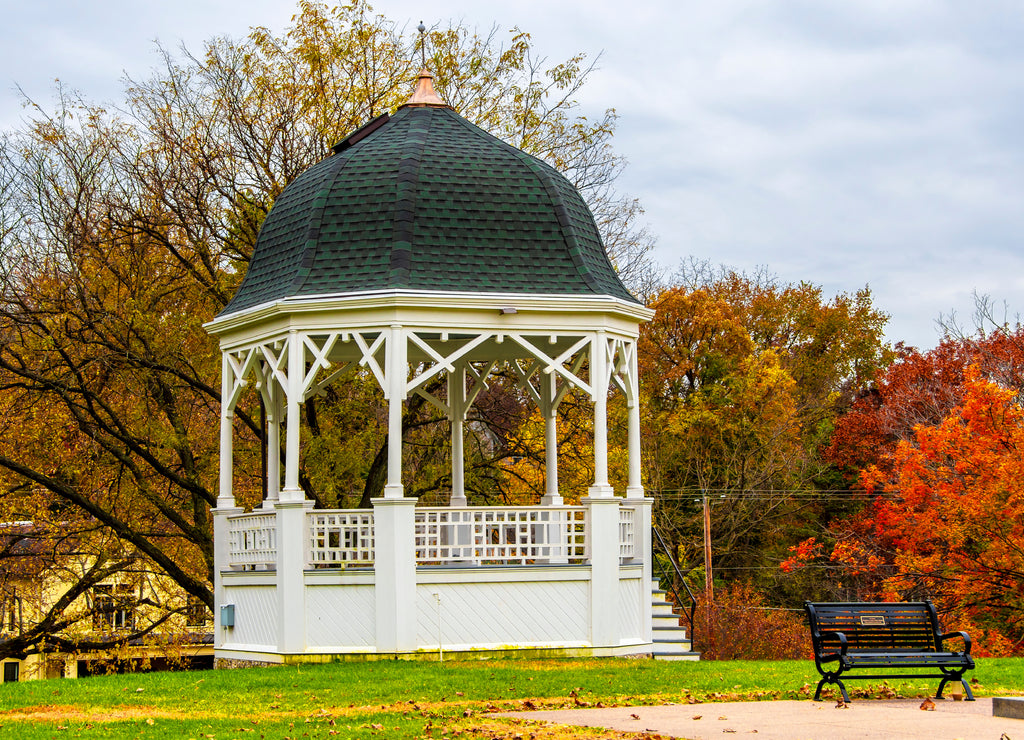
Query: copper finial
424 93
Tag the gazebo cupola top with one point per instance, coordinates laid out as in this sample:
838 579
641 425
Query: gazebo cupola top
423 200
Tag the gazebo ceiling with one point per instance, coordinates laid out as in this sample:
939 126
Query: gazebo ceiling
425 201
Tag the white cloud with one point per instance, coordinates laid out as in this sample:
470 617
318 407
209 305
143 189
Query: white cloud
841 143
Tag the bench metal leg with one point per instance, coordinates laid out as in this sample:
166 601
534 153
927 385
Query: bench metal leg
837 682
963 682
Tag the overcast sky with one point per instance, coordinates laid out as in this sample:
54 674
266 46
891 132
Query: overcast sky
845 143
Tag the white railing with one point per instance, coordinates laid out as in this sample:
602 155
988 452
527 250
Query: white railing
340 538
627 532
252 539
501 535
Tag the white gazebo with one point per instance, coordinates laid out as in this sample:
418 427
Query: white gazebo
423 249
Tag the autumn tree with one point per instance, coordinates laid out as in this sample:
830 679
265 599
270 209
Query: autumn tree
743 377
948 519
932 442
123 230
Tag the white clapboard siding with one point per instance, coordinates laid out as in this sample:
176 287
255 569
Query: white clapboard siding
340 619
255 616
538 614
631 626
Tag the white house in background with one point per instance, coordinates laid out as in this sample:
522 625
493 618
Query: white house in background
425 248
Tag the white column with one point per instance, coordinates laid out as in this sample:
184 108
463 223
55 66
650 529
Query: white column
644 540
603 547
225 501
225 495
634 486
396 380
272 403
549 410
457 410
599 384
292 549
394 569
553 534
221 635
296 374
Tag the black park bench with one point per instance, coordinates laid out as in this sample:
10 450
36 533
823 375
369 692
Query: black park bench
849 638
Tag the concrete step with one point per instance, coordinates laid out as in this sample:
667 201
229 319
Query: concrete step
670 632
669 637
675 656
670 623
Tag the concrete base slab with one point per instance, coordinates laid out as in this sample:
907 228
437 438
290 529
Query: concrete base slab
1008 706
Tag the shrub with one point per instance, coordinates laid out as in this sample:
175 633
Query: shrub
744 627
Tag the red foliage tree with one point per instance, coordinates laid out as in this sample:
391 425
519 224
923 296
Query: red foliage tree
938 446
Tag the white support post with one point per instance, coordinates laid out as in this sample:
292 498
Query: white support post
635 491
292 549
397 370
603 546
634 486
272 402
292 492
225 499
394 569
599 385
457 410
220 561
643 553
549 409
225 494
553 534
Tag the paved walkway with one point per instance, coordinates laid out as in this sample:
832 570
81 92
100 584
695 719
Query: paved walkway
797 720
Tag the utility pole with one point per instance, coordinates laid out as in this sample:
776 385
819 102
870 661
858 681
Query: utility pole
709 582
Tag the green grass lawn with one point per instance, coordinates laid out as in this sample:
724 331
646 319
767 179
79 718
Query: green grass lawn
397 699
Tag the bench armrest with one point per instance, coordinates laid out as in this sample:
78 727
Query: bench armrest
843 645
962 635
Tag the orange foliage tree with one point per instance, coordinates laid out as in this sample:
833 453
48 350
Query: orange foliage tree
937 445
953 526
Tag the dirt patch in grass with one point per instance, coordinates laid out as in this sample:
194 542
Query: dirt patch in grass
63 713
518 729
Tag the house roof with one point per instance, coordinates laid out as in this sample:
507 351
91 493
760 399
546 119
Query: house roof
425 200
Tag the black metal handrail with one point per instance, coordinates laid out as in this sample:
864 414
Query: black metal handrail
676 577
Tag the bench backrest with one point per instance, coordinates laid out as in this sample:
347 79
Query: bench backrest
874 626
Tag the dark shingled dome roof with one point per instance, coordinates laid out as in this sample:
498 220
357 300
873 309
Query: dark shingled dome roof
425 200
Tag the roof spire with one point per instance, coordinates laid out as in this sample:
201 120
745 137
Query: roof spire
424 94
423 43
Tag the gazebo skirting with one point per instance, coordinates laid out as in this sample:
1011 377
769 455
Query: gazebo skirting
400 580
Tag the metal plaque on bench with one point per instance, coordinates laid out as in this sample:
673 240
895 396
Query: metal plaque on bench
872 620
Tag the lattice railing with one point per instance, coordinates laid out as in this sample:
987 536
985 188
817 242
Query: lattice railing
341 538
252 539
501 535
627 532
